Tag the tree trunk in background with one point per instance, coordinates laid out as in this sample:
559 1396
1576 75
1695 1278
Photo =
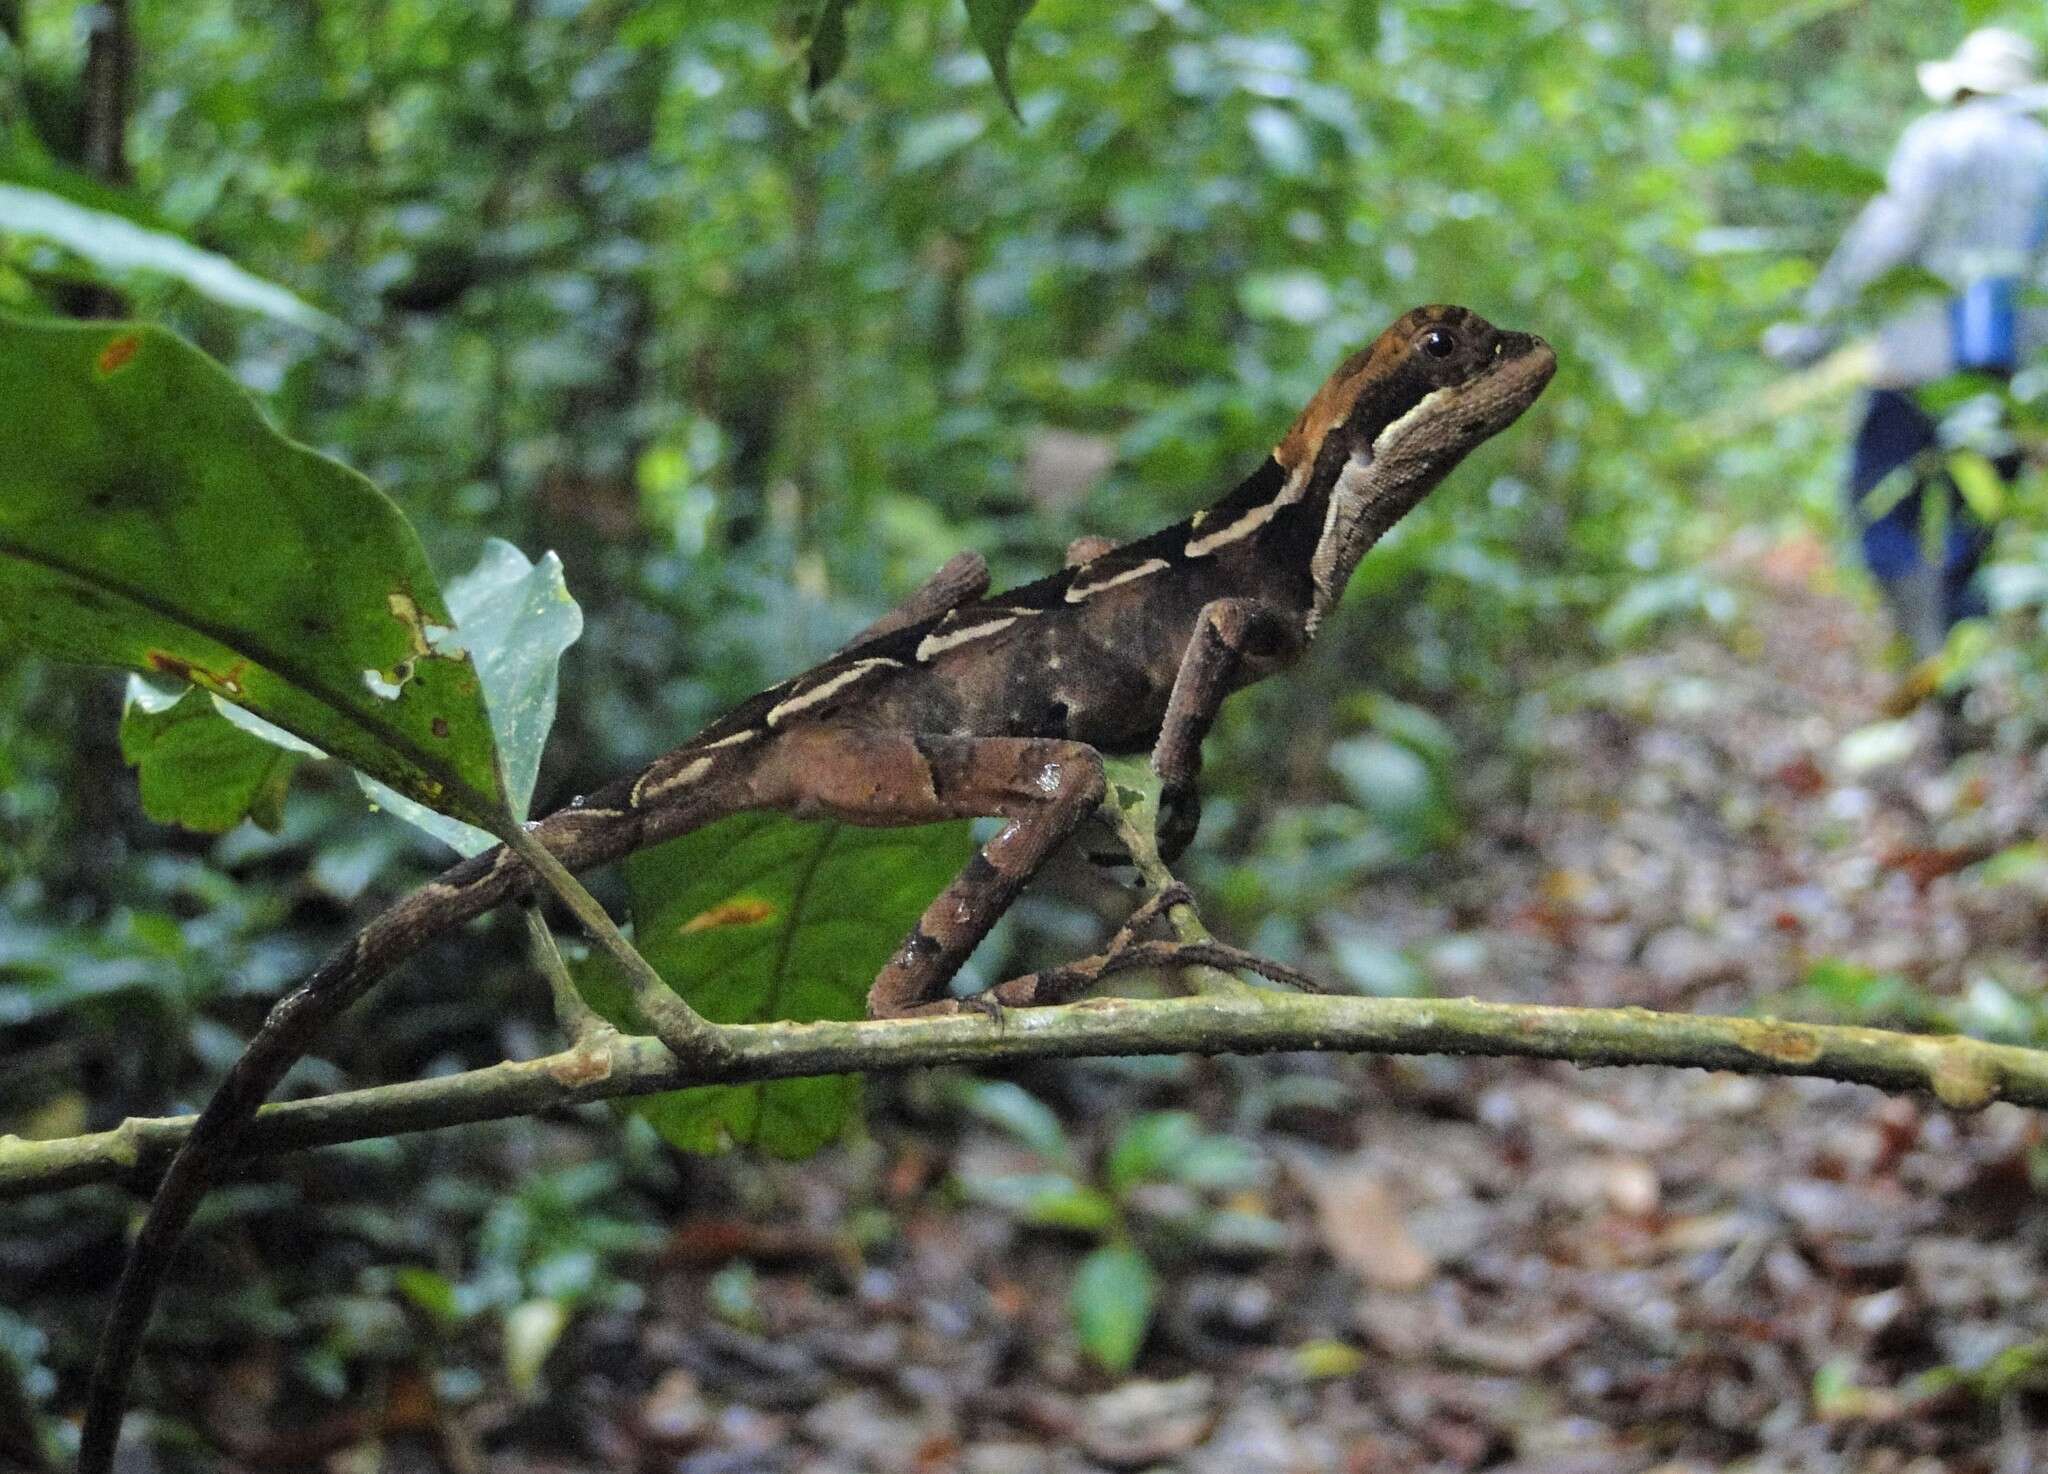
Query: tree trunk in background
100 807
109 85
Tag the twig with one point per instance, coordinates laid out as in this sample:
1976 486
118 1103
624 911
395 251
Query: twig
1965 1074
578 1019
685 1031
1131 812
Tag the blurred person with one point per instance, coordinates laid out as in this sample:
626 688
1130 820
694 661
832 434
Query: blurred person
1966 199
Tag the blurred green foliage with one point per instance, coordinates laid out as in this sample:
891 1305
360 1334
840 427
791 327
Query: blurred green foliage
613 281
1151 1195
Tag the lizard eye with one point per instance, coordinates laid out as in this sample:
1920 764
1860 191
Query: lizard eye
1438 344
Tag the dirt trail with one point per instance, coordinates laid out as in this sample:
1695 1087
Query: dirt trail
1723 1272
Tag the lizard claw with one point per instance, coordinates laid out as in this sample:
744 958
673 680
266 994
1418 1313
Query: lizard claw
987 1005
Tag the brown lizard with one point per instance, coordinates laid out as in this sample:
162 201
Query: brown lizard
962 704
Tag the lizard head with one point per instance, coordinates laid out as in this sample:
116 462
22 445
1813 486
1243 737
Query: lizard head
1392 422
1437 383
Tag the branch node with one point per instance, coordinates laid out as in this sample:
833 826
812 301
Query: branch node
1961 1078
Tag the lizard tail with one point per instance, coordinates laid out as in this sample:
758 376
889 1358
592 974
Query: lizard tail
579 837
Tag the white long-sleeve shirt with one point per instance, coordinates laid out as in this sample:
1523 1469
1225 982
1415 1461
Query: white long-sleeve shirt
1966 197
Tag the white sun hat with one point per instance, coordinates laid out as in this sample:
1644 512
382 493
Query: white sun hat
1992 61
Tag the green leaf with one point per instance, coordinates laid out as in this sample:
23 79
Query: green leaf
514 618
1978 480
117 246
994 24
1146 1149
1850 990
197 770
734 1296
761 917
1171 1145
828 42
2024 864
1112 1305
1048 1199
1374 967
150 519
1413 727
1362 23
1012 1109
1810 171
1397 787
433 1293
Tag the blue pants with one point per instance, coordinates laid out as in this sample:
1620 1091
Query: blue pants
1927 600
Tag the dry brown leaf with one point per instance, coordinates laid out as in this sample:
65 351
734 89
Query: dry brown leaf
1362 1226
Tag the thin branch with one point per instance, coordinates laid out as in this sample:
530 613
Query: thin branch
579 1021
1132 812
1964 1074
685 1031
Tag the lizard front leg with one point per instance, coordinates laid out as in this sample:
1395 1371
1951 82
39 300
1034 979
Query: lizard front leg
1045 787
1233 639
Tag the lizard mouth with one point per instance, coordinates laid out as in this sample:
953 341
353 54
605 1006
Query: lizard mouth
1525 360
1521 366
1437 433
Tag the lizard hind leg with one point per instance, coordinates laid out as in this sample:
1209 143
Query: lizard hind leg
961 579
1044 787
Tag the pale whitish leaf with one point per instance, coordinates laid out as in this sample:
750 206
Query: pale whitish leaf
1384 778
1281 141
1373 967
531 1330
1989 1011
1300 297
255 726
515 618
1879 745
464 839
117 245
1112 1299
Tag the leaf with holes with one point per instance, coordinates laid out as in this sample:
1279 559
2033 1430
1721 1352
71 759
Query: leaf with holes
150 519
761 917
514 617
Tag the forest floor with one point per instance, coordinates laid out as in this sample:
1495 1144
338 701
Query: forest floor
1447 1265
